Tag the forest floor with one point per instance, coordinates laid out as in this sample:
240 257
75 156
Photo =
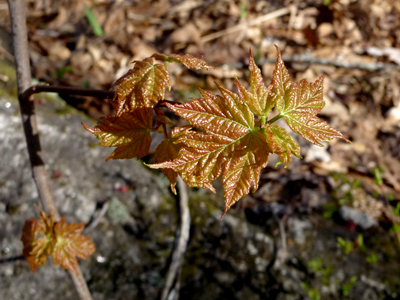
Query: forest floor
356 44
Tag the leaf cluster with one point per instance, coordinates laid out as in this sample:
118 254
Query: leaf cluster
229 135
62 241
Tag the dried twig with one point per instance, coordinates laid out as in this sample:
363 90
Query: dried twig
171 286
21 55
249 23
89 227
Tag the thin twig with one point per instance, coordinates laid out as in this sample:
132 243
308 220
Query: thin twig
97 220
21 55
249 23
70 90
12 259
39 88
171 286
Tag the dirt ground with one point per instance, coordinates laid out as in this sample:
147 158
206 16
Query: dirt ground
355 43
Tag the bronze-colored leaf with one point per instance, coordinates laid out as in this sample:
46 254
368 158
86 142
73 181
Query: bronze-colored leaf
299 103
130 133
168 151
70 244
229 146
36 249
314 130
281 143
142 87
280 77
261 99
187 60
62 241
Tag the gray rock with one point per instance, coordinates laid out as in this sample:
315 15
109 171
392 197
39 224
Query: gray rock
357 217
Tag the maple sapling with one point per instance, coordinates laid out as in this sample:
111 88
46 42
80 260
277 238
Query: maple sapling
62 241
229 135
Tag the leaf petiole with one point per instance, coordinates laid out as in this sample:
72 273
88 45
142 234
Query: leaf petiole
274 119
264 119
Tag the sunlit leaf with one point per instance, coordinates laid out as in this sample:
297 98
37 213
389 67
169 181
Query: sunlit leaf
187 60
62 241
299 102
143 86
230 135
281 143
38 241
70 244
261 99
314 130
229 145
168 150
130 133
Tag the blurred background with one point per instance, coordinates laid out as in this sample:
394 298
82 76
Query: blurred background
326 227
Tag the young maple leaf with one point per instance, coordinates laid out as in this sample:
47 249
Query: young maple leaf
130 133
261 99
70 244
299 102
168 151
187 60
62 241
281 143
229 145
142 86
36 249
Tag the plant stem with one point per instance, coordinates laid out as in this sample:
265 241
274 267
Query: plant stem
70 90
264 119
274 119
39 173
39 88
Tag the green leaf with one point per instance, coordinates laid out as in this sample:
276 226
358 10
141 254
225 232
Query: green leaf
349 285
346 246
360 242
372 259
377 175
130 133
97 30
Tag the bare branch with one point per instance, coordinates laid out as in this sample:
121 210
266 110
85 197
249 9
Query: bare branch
90 226
40 88
21 55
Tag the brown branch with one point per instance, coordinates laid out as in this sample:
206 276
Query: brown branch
40 88
39 173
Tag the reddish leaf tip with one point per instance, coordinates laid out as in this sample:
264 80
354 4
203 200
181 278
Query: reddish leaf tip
88 128
226 210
